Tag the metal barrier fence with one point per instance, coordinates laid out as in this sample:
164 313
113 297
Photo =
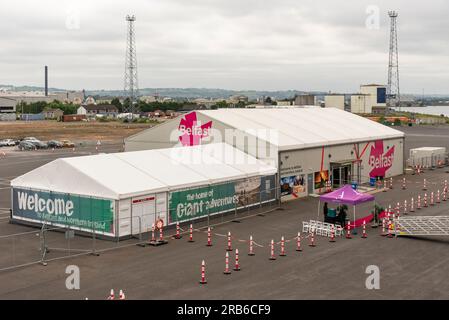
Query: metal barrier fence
50 242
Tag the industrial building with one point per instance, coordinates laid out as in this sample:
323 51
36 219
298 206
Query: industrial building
75 97
7 109
304 100
308 145
371 99
335 101
123 194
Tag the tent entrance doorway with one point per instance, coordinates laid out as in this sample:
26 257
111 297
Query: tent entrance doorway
143 214
341 173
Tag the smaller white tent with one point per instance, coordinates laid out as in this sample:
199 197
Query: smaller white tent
129 174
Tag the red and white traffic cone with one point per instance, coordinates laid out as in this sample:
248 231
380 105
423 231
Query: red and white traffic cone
111 295
398 208
191 233
431 199
282 254
121 295
444 194
272 256
445 185
412 205
332 239
203 273
251 246
161 234
298 242
389 211
237 262
209 238
312 239
403 184
227 270
391 182
405 207
348 232
418 205
364 236
383 234
385 186
178 231
425 200
153 236
424 187
229 248
390 227
438 196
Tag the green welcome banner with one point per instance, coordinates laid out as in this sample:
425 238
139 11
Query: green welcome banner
64 209
194 203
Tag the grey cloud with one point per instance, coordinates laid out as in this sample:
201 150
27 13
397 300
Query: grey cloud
253 44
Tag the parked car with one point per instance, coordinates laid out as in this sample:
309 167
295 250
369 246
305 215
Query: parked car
26 145
38 144
29 139
7 143
67 144
54 144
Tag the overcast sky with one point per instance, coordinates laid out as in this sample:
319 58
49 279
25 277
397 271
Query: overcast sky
323 45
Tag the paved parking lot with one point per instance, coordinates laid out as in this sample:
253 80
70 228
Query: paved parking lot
410 268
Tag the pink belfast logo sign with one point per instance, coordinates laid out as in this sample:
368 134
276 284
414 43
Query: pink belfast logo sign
191 131
379 161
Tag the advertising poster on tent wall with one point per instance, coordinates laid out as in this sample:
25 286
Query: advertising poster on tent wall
293 186
62 209
199 202
321 177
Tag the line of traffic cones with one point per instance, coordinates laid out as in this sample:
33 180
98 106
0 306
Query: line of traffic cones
121 295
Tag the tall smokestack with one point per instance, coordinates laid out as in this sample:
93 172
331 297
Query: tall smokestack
46 81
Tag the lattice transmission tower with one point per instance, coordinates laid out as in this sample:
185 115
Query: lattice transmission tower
393 92
131 85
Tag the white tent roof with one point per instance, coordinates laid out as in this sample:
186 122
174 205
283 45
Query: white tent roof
122 175
300 128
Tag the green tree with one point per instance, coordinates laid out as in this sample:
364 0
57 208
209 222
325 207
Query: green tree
116 102
221 104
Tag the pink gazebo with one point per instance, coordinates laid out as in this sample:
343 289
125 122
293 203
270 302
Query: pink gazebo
345 195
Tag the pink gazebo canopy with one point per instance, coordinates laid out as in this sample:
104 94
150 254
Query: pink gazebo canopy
346 195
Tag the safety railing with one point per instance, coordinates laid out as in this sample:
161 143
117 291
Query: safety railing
52 242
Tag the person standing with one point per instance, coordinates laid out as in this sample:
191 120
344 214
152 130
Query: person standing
325 211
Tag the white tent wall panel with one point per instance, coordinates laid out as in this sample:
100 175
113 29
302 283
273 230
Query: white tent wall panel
124 221
308 161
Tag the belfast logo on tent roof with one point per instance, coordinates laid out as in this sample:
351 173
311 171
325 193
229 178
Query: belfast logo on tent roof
379 161
192 131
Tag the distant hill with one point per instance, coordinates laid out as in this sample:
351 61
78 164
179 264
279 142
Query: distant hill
188 93
30 88
192 93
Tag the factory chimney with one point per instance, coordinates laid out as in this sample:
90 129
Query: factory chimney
46 81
